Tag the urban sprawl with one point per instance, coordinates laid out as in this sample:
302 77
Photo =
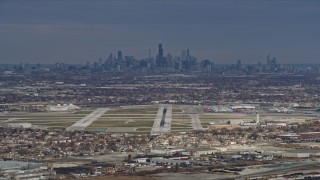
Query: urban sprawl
163 117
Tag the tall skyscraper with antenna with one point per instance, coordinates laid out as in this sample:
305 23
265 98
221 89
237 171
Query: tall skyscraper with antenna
160 58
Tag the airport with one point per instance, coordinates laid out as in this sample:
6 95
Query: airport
152 90
157 119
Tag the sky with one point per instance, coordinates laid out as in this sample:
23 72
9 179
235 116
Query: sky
77 31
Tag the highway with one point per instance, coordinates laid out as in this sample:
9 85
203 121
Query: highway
283 167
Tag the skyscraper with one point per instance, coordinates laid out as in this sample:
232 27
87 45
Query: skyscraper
188 55
271 63
120 59
160 51
183 55
239 65
161 62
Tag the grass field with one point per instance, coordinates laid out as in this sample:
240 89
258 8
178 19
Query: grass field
138 110
180 121
209 117
47 119
121 123
142 118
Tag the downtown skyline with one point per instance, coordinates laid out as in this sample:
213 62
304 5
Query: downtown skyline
221 31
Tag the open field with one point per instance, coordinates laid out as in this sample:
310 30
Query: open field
121 123
46 119
136 119
223 117
88 119
137 110
180 120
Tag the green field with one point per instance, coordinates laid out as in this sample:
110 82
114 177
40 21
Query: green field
220 117
46 119
142 118
180 120
120 123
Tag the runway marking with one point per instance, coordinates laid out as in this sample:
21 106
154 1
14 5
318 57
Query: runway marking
157 129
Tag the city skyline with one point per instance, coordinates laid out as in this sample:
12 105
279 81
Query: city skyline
221 31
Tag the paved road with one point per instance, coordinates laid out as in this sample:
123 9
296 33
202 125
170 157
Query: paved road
285 167
157 129
86 121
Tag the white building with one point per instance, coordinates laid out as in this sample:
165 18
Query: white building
65 107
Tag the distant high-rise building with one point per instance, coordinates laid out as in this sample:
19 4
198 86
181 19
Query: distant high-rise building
110 57
120 59
187 60
161 61
274 60
239 65
268 62
160 51
272 64
188 55
183 55
169 61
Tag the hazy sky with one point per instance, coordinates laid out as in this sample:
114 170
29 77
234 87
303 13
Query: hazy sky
76 31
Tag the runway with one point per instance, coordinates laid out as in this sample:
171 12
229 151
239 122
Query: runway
157 128
87 120
193 112
196 124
